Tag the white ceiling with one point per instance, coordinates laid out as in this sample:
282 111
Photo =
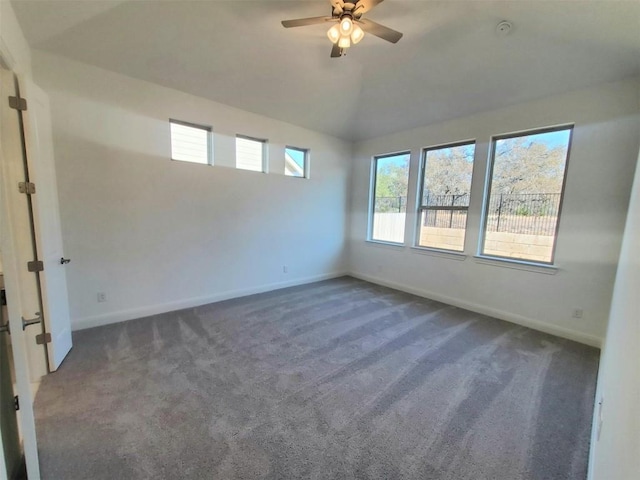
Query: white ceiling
449 63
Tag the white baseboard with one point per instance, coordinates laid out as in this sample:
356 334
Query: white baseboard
580 337
124 315
140 312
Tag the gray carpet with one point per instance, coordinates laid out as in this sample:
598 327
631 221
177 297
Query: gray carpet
339 379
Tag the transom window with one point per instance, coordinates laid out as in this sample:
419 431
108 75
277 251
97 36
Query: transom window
296 162
190 142
251 153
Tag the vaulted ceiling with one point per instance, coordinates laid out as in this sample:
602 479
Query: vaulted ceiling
449 63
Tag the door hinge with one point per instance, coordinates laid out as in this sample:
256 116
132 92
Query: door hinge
18 103
16 402
43 338
28 188
35 266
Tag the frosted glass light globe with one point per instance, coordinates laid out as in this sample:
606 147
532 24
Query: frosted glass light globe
334 33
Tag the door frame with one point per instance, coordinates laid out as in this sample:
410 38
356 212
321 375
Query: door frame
12 288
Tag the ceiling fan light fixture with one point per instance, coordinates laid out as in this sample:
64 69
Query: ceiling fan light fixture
334 33
357 34
344 42
347 27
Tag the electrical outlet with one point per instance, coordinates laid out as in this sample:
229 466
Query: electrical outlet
577 313
102 297
285 269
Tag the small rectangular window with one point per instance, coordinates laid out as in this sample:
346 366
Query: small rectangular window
524 194
251 154
190 142
295 162
444 196
388 211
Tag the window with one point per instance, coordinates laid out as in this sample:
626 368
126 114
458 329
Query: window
295 162
444 196
190 142
251 154
524 194
390 178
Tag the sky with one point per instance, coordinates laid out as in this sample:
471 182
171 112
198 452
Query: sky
297 156
399 160
551 139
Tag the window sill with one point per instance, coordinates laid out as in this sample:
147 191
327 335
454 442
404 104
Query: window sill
189 162
459 256
381 244
517 264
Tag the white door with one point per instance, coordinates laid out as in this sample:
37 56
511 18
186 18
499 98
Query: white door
42 172
21 295
13 171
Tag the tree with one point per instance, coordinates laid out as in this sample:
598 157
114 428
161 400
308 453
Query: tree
447 175
392 177
523 166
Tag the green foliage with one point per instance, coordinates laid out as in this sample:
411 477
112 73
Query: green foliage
392 177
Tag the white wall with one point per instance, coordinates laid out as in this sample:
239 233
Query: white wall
615 452
157 235
13 46
601 165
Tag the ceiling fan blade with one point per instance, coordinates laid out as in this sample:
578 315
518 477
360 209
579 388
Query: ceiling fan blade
336 51
363 6
337 7
381 31
303 22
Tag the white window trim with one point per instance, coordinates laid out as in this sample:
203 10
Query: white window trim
440 252
521 264
420 207
373 174
383 244
515 264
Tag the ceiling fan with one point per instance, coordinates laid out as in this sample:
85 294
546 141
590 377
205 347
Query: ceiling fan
349 25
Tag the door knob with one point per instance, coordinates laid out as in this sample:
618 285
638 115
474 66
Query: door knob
64 260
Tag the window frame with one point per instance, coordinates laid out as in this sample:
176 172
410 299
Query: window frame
487 194
419 197
207 128
373 178
265 153
306 167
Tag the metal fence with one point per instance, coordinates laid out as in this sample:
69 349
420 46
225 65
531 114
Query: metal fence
445 211
525 213
431 200
391 204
